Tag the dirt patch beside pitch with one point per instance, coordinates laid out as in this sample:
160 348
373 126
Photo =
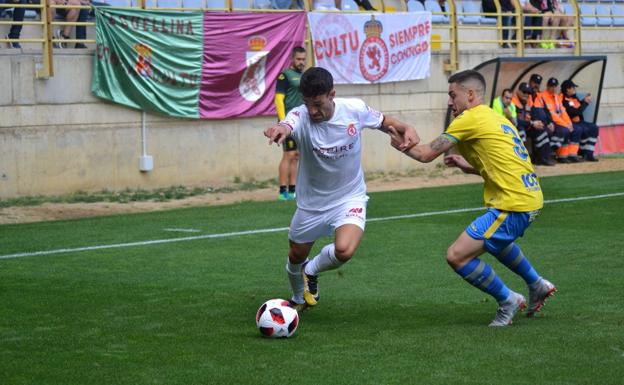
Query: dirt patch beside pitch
440 177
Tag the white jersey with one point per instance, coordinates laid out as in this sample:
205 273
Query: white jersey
330 168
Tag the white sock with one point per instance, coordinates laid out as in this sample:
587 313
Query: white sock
296 280
326 260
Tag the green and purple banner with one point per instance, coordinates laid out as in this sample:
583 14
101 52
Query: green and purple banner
208 65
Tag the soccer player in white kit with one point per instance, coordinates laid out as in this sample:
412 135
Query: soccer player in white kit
331 193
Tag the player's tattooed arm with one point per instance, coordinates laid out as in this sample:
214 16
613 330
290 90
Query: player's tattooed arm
441 144
428 152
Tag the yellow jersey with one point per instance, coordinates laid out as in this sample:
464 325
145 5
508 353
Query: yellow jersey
491 144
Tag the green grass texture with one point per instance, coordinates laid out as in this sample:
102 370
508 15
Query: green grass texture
184 312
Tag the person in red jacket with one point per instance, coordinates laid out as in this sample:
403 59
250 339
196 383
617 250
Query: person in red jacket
575 107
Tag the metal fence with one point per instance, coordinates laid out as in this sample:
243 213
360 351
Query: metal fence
447 24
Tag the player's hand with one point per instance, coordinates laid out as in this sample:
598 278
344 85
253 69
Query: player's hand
538 124
456 160
551 127
403 142
277 134
587 98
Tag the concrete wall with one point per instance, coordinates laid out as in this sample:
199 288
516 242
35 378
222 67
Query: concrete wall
56 138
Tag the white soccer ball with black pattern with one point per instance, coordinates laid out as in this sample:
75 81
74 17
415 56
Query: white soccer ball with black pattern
276 319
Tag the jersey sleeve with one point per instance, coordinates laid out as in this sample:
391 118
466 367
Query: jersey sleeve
280 108
368 116
460 129
282 84
294 120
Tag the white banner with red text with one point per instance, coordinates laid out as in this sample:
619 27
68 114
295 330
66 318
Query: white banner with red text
364 48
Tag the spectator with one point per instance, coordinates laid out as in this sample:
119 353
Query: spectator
506 7
16 29
531 21
503 106
70 15
287 97
563 21
539 130
523 112
564 139
575 107
546 8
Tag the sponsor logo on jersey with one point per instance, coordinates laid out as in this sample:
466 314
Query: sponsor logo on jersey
355 212
530 181
335 152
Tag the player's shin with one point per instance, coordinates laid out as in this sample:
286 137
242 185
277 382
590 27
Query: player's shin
514 259
296 280
325 260
481 275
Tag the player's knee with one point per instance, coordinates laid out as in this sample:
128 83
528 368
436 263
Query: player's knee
344 252
453 256
296 256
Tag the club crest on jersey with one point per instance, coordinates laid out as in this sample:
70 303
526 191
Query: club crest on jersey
351 130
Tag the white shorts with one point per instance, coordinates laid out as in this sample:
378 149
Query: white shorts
308 226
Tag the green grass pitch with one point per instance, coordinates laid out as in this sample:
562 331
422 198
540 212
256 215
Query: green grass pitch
183 312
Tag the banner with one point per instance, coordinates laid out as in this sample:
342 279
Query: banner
243 55
372 48
193 64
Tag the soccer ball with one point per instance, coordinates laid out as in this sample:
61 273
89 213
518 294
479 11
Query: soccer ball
276 319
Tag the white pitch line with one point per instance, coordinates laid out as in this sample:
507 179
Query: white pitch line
142 243
278 229
183 230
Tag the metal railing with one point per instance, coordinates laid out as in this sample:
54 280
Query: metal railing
454 14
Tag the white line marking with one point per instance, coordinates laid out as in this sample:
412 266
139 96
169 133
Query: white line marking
274 230
183 230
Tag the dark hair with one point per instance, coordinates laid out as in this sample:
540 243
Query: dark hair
298 49
507 90
316 81
464 76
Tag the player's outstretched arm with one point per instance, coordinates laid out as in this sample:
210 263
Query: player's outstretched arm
277 133
455 160
408 134
425 152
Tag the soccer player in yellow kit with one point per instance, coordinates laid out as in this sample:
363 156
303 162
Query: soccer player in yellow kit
491 147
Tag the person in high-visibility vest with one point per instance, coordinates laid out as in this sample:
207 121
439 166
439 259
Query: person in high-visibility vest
564 138
575 107
539 131
503 106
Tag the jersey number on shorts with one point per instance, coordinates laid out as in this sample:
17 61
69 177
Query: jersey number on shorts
519 148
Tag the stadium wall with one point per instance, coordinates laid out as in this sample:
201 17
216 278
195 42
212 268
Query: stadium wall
56 138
